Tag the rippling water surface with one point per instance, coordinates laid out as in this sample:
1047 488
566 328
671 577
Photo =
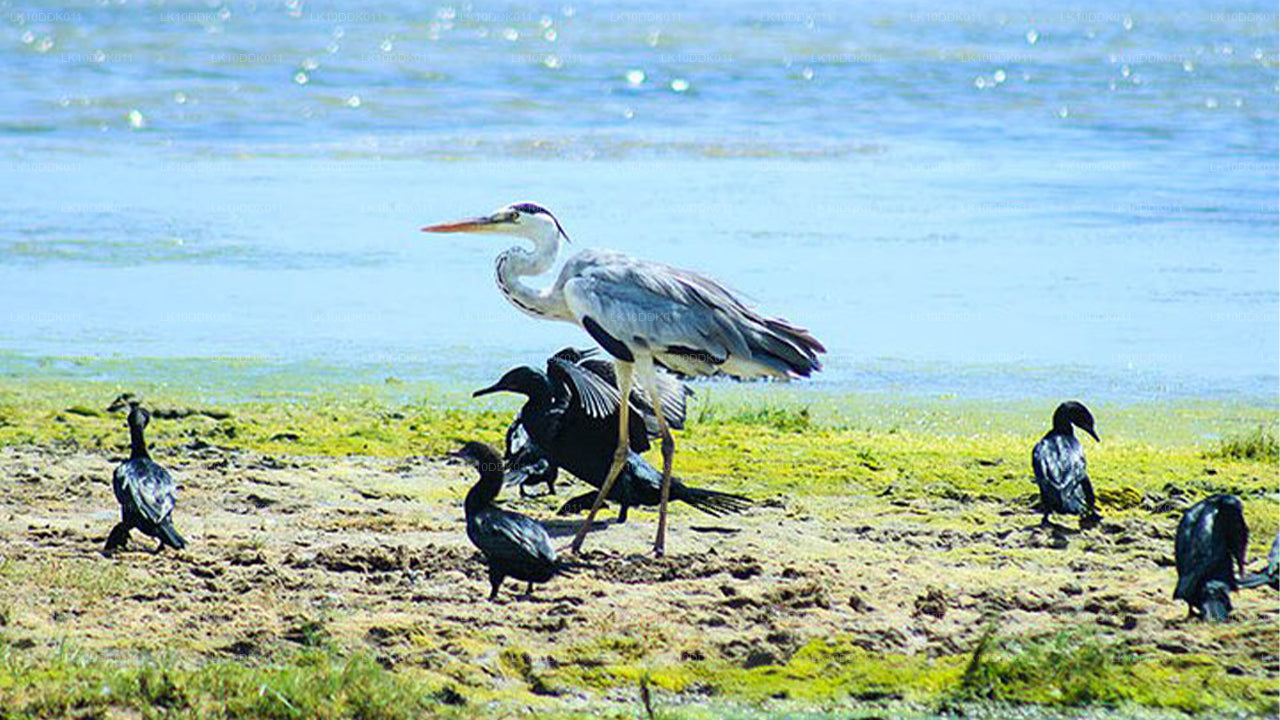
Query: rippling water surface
978 198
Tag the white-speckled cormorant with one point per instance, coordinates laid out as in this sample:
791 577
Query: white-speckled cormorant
1058 461
557 427
146 492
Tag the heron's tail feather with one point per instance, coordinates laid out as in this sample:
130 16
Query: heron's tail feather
170 537
786 347
711 502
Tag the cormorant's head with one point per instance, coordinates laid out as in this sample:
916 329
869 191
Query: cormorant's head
523 380
522 219
1074 413
138 416
479 456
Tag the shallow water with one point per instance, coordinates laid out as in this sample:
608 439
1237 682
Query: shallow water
981 199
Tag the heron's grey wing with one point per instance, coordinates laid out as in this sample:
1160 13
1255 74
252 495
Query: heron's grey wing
690 323
512 538
594 394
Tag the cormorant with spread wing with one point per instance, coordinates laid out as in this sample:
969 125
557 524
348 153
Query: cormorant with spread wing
569 421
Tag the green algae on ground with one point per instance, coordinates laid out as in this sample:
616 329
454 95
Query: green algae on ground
772 451
308 684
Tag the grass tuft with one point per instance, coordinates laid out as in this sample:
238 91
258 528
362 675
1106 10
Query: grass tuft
1257 444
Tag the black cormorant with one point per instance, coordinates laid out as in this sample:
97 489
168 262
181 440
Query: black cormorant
513 545
1212 535
1270 575
144 490
566 424
1058 461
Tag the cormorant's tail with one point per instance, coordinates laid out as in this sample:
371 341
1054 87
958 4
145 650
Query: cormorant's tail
1258 579
1216 604
711 502
169 536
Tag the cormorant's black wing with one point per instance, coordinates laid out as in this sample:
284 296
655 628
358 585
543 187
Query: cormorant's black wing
144 487
594 395
590 394
1061 473
1194 551
513 540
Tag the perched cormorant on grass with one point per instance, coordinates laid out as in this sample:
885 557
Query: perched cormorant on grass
1211 536
1270 575
514 545
1058 461
568 421
144 490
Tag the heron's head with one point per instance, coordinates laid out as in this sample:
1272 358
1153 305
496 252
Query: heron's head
1074 413
480 456
525 219
523 380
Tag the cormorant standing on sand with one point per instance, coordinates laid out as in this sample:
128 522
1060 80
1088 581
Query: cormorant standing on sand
146 492
1058 461
513 545
1212 535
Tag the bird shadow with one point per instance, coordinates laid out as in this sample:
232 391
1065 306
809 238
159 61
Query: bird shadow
565 528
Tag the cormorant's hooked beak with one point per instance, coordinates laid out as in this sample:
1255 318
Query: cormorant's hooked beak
1093 434
494 388
492 223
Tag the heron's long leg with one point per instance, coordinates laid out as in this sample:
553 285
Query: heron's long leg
619 453
668 454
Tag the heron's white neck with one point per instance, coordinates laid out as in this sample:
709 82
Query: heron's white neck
518 262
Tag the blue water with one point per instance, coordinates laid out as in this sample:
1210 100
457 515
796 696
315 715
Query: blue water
975 198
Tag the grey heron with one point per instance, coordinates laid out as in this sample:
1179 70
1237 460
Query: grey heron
644 314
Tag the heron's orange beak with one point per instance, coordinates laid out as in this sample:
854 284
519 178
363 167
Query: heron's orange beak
473 225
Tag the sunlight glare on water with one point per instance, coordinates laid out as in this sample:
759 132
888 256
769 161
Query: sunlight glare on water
982 198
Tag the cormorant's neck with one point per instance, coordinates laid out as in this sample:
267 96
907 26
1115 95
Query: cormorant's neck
516 263
484 492
1062 424
137 444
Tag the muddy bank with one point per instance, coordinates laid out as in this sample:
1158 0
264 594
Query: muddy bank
370 555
